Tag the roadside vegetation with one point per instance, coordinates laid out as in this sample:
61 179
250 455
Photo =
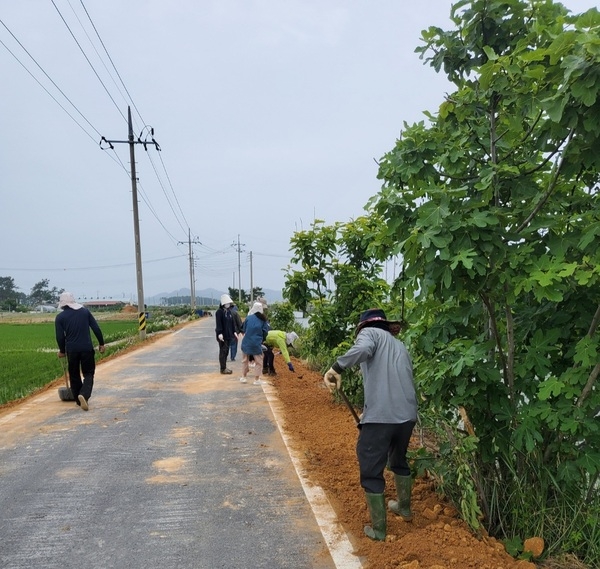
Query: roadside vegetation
490 210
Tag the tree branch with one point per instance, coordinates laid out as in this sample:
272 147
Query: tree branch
552 187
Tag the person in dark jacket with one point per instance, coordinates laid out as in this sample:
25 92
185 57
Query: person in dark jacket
224 330
74 340
237 328
389 414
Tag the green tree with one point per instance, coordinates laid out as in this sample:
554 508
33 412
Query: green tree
234 293
41 293
493 206
9 295
337 277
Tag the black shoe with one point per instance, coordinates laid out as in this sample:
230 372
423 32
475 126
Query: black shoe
226 371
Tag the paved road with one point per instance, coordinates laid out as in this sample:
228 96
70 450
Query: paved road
173 467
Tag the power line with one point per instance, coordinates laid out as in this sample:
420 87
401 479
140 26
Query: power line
115 266
88 60
51 80
112 62
114 156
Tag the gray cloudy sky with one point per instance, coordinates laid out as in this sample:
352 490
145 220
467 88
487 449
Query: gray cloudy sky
269 114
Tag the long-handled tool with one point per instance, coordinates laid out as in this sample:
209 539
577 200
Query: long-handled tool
349 405
65 393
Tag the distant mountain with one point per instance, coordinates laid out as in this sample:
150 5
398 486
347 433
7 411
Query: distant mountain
205 296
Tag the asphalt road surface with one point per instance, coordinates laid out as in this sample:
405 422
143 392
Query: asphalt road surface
174 466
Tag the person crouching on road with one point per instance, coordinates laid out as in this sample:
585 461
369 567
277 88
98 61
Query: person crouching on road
280 340
224 330
389 414
254 330
72 327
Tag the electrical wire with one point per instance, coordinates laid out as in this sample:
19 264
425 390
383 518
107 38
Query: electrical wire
115 266
185 228
111 61
114 156
88 60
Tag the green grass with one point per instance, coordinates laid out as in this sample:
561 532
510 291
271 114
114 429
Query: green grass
28 358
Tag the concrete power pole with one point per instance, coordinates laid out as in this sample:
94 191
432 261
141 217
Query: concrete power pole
239 251
191 241
136 222
251 281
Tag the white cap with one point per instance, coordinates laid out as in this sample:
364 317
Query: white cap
290 338
67 299
256 307
226 299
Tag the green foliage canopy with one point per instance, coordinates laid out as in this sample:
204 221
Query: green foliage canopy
493 206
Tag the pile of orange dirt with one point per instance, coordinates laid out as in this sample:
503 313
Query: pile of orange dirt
325 433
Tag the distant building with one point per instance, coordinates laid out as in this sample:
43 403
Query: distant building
103 304
46 308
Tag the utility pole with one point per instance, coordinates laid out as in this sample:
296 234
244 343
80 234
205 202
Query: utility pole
192 276
136 222
239 251
251 281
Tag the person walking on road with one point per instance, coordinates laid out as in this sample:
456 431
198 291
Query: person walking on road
254 330
389 414
224 331
72 327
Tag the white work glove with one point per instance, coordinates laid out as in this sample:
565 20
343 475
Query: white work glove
332 379
220 337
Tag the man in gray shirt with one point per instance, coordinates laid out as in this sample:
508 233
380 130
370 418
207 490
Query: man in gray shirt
389 415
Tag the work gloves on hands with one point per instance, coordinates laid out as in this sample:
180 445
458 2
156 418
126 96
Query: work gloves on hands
220 337
291 367
332 379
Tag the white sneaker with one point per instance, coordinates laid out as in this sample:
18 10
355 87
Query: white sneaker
259 382
243 380
83 402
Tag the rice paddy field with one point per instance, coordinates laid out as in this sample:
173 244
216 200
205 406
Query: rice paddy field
28 352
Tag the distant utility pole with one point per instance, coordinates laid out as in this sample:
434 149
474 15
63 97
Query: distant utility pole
192 276
251 281
239 251
136 221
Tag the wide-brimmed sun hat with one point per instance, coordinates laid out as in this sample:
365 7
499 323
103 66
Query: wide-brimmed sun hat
256 307
378 315
226 299
290 338
67 299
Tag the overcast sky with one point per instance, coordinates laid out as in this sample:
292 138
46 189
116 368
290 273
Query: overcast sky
268 113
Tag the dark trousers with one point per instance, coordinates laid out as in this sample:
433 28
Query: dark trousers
233 346
223 353
269 360
378 444
81 363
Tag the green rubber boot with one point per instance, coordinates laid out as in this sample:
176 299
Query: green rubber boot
377 529
401 507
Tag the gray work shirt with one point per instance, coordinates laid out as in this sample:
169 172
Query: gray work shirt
387 374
